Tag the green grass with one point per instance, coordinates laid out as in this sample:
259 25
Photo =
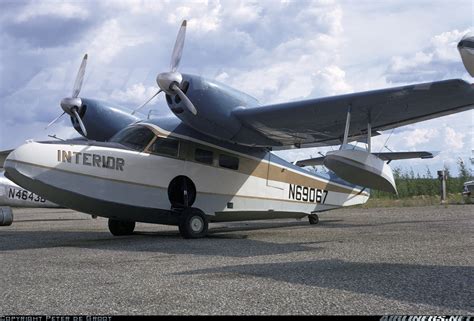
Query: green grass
422 200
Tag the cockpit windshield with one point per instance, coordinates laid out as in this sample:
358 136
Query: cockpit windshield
135 137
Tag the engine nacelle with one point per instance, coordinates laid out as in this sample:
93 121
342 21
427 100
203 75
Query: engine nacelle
102 119
215 103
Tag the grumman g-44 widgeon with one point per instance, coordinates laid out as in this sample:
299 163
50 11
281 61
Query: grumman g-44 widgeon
213 162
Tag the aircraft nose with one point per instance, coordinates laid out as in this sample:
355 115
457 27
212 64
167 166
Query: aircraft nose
16 163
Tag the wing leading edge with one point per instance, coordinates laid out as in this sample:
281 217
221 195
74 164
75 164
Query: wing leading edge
319 122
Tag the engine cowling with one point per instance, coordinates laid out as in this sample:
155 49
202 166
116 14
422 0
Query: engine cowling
215 103
102 119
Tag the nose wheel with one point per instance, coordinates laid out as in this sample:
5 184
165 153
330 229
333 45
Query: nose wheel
193 223
313 219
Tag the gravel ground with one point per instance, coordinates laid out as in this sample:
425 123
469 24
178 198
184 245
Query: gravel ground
415 260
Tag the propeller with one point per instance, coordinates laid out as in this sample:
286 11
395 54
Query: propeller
169 82
73 105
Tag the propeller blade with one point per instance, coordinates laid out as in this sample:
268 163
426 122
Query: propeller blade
79 78
146 102
178 47
189 105
55 119
83 128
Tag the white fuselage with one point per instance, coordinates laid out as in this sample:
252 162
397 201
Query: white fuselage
258 189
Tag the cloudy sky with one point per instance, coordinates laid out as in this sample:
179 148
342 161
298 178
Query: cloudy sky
274 50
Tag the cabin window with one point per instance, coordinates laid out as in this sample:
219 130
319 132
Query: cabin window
229 162
165 146
203 156
135 137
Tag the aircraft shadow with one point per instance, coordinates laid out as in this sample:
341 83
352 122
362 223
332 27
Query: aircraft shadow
168 242
445 286
51 220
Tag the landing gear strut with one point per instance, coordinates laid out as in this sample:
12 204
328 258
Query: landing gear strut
193 223
118 228
313 219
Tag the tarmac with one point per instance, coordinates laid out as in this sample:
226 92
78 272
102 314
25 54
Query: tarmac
417 260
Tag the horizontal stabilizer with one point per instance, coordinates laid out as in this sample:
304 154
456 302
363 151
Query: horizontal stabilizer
405 155
389 156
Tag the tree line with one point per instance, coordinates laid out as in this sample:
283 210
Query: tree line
409 184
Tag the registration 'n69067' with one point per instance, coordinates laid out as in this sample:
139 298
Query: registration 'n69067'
307 194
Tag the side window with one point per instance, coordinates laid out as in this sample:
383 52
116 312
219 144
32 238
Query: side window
203 156
165 146
227 161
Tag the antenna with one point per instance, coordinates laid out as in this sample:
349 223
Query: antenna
56 137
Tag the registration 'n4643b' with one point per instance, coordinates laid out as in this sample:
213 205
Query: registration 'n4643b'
307 194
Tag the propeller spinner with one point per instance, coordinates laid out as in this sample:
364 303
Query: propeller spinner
169 82
73 105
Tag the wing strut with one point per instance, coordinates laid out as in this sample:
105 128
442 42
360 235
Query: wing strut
369 134
346 130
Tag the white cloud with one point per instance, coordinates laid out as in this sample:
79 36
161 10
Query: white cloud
438 60
453 139
419 136
51 8
201 16
137 7
331 80
110 39
135 94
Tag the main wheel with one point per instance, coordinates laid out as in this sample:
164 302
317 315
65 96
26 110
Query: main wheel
193 224
118 228
313 219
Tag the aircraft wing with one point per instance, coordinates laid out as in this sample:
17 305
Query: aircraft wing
319 122
388 156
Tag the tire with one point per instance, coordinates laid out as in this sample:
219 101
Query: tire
193 224
6 216
119 228
313 219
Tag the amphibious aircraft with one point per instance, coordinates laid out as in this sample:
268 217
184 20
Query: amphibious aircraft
213 162
13 195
